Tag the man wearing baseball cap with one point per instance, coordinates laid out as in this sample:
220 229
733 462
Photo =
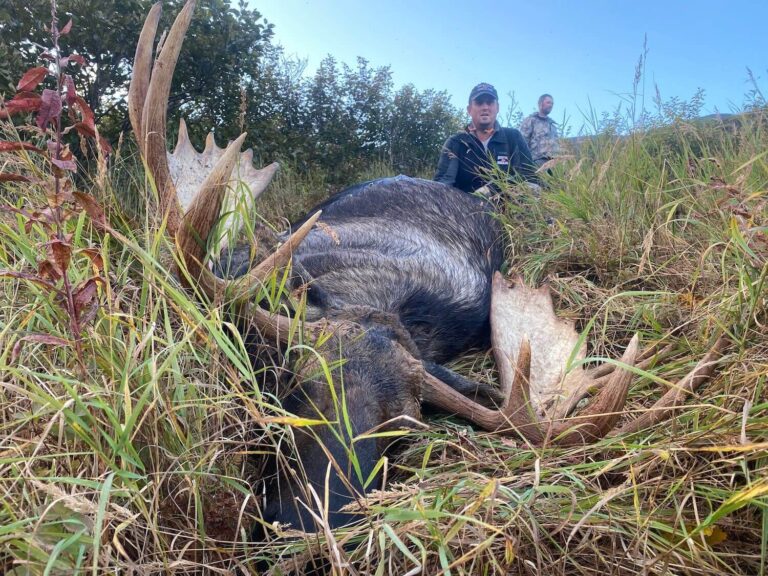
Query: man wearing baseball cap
469 158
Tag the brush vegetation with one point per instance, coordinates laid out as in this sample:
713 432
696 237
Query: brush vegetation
133 441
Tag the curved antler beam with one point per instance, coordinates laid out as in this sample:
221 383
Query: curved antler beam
151 131
197 183
665 406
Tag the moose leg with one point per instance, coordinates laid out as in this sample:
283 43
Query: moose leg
482 393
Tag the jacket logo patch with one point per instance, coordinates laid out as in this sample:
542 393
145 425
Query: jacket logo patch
502 160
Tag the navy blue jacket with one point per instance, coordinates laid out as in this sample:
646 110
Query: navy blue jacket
465 164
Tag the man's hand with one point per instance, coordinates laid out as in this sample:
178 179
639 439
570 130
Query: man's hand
534 188
485 191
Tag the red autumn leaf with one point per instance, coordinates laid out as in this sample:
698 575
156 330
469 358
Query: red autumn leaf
46 218
46 339
31 79
86 114
81 128
90 313
70 165
50 108
87 124
13 210
28 219
54 148
13 146
85 130
47 269
67 28
85 294
61 156
94 256
77 59
25 95
22 103
64 194
69 84
13 178
92 208
57 198
39 338
61 254
106 148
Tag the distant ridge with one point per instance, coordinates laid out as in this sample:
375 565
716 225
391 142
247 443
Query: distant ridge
726 121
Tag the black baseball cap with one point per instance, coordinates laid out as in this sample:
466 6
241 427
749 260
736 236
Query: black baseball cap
483 89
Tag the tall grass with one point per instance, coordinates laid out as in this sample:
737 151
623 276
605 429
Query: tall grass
151 463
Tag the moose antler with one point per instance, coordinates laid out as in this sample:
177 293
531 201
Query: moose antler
192 186
531 348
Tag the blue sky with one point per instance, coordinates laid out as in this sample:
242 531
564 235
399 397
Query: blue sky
579 51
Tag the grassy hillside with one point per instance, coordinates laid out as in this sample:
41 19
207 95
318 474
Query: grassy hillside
134 449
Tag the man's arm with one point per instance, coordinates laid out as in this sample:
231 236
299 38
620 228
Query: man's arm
448 165
522 163
526 129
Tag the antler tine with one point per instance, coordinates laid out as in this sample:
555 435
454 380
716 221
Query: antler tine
142 64
196 226
643 360
598 377
519 387
183 143
664 407
244 286
508 373
604 410
193 252
153 117
518 413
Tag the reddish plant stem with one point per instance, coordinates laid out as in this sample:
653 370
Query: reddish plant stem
74 320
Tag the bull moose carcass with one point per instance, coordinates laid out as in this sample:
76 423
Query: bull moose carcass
401 275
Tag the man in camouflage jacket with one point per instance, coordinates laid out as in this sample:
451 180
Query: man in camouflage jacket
540 132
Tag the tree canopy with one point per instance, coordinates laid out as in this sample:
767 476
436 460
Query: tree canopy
233 77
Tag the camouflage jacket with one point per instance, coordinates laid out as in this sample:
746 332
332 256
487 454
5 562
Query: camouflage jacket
541 136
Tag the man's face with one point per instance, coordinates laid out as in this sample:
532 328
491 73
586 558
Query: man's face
545 106
483 111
